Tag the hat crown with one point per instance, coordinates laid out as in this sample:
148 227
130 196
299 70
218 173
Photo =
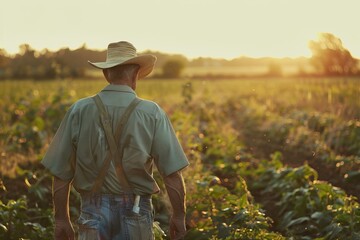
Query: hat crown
120 50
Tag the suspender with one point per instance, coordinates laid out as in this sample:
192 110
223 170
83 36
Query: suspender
115 153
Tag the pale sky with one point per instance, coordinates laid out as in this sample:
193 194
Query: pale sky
215 28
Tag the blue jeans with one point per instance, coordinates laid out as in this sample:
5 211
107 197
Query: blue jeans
110 217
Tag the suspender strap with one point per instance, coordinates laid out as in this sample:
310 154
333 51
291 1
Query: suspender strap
115 153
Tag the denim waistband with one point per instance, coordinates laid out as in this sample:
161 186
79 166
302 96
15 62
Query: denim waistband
107 200
122 196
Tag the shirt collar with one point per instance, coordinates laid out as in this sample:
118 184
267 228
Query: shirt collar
119 88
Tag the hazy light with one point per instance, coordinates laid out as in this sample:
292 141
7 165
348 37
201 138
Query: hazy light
228 28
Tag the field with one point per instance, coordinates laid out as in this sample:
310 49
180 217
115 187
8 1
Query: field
270 158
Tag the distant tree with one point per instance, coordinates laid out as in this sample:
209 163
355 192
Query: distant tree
330 56
4 61
24 63
3 58
162 58
274 69
172 68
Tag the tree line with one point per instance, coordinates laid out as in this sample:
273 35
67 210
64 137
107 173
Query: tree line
64 63
329 58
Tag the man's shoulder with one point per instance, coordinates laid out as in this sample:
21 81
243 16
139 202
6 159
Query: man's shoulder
150 107
82 103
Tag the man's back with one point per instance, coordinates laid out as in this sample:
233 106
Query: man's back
148 134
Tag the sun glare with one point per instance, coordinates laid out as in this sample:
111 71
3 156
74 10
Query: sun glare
194 28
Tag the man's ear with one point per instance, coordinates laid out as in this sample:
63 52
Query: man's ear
105 72
136 77
133 83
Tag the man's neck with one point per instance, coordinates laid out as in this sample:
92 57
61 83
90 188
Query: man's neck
123 84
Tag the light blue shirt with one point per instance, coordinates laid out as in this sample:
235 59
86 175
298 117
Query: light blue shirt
79 147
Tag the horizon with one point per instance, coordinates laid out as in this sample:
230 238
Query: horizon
201 28
154 51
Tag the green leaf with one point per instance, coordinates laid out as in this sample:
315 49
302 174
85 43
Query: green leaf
317 215
2 226
297 221
321 218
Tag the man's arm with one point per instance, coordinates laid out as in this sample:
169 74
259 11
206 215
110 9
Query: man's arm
176 191
63 226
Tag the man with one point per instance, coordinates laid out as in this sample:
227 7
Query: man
80 154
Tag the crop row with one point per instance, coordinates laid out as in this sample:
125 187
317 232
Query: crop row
322 139
302 206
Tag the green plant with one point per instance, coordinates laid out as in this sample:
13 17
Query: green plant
18 221
222 215
304 206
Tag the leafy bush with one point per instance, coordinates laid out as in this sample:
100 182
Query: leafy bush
344 139
305 207
221 215
18 221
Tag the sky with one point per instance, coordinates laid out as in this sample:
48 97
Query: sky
194 28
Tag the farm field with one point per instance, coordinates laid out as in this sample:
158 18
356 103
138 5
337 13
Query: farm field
271 158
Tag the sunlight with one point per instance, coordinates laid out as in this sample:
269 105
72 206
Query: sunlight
237 28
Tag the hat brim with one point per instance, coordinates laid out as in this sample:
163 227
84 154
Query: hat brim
146 63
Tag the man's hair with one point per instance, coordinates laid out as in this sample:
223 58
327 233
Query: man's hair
122 73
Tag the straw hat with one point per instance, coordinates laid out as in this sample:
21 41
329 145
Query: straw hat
121 53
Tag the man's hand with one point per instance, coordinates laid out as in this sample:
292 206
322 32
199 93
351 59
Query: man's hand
64 230
177 228
63 226
176 191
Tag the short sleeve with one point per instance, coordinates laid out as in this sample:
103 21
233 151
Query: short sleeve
166 150
60 156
